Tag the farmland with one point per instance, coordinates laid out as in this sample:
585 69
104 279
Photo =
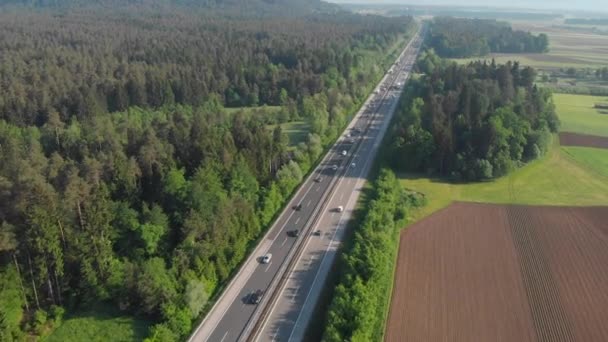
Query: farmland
577 114
582 140
568 48
594 159
482 272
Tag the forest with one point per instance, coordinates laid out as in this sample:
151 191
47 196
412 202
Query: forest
472 122
459 38
124 179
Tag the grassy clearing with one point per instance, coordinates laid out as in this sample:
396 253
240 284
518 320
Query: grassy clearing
100 324
594 159
557 179
577 114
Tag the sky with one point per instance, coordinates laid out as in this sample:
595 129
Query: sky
586 5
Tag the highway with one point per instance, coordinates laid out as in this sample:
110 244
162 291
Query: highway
296 272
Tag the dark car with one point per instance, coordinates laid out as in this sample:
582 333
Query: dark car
319 179
256 297
293 233
297 207
317 232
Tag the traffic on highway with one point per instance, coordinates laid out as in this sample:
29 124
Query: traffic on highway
272 295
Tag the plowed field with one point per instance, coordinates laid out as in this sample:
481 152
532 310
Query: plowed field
482 272
575 139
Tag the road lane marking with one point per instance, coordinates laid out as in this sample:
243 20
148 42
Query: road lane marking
295 293
308 204
224 337
267 267
341 197
298 220
318 188
284 242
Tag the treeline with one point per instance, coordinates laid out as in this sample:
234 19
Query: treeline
82 63
459 37
358 308
472 122
582 21
152 206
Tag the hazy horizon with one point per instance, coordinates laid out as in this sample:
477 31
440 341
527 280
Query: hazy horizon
580 5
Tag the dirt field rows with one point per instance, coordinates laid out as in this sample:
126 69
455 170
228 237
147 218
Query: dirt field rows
575 139
482 272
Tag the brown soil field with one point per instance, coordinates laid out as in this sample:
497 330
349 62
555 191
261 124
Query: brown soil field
483 272
575 139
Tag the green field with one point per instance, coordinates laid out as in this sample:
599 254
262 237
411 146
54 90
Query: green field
577 114
558 178
594 159
100 325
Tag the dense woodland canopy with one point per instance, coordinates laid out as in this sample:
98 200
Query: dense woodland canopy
460 37
80 63
122 177
472 122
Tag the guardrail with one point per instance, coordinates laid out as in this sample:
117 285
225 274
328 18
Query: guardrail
256 321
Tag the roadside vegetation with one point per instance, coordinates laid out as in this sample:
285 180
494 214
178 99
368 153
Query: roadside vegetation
130 184
359 307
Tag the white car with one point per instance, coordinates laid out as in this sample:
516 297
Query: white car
266 258
335 167
344 152
353 165
340 209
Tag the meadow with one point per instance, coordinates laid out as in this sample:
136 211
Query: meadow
577 114
559 178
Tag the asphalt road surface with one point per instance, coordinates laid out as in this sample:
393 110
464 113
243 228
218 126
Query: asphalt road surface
334 183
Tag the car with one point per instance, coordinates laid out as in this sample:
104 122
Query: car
318 179
256 297
317 232
344 152
293 233
334 167
266 258
340 209
297 207
353 165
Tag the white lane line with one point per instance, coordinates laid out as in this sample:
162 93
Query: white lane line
295 293
318 188
341 197
298 220
274 337
223 338
308 204
267 267
284 242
